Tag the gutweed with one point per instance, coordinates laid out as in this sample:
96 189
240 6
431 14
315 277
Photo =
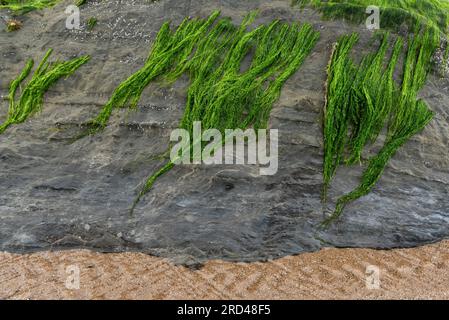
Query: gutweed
222 97
169 54
24 6
336 120
91 23
31 98
80 3
362 100
211 52
434 14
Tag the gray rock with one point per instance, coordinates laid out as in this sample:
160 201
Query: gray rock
55 194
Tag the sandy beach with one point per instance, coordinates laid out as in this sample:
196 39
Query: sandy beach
328 274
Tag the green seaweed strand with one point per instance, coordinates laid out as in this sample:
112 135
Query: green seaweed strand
169 54
406 114
24 6
434 14
336 114
222 96
31 99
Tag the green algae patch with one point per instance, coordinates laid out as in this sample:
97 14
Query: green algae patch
24 6
433 14
363 99
211 52
32 95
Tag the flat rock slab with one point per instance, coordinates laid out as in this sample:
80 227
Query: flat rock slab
55 194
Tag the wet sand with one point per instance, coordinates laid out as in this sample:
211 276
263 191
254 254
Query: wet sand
328 274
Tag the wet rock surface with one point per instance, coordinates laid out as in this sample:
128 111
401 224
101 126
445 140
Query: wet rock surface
58 194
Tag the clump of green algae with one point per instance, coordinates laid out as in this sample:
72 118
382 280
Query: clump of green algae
168 56
362 100
24 6
434 14
32 95
211 51
222 97
91 23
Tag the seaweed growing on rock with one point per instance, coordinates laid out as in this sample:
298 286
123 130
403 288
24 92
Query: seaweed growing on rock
91 23
211 52
169 55
32 95
433 14
221 96
24 6
362 100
